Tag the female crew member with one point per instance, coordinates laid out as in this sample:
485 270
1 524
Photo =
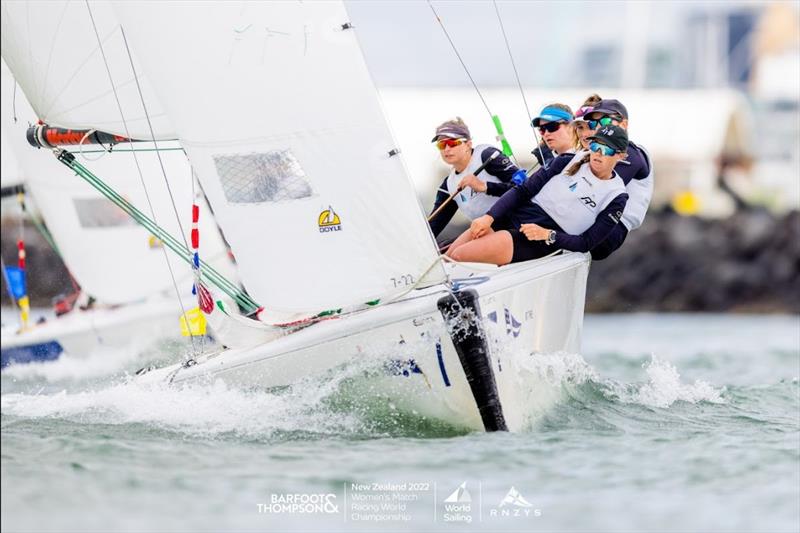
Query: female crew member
573 205
477 193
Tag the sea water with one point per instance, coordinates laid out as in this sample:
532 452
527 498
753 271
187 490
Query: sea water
662 423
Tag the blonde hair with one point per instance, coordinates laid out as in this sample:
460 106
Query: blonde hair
576 140
573 169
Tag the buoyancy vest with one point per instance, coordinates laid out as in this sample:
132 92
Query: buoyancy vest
574 202
472 204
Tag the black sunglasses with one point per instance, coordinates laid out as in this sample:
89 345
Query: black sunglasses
550 126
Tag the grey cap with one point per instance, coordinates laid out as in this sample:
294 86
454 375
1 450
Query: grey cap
452 129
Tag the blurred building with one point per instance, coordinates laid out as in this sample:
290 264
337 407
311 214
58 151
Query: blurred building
716 86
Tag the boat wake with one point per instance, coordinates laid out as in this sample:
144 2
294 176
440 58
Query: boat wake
333 406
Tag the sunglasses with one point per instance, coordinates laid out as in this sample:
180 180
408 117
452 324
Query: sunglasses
550 127
449 143
601 148
601 122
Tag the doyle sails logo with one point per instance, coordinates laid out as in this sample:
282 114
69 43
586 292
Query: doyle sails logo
329 221
300 503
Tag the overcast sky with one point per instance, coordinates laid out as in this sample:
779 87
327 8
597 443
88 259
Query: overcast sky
404 44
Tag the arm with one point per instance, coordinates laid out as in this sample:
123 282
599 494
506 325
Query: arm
597 232
496 164
530 188
502 168
639 187
441 220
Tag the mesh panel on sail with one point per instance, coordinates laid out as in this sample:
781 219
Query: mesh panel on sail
262 177
100 213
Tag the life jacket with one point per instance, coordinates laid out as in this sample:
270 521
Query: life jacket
472 204
574 202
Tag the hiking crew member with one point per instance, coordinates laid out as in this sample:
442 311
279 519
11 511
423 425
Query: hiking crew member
478 193
558 135
572 205
636 171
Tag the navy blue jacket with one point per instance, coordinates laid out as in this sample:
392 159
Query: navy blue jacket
517 206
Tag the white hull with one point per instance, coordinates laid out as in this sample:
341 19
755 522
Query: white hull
544 303
79 333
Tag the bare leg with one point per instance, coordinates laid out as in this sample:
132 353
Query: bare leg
496 248
460 241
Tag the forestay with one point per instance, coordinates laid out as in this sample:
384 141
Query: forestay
114 259
276 110
51 47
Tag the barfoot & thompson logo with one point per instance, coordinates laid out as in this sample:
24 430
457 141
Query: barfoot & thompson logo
514 505
300 503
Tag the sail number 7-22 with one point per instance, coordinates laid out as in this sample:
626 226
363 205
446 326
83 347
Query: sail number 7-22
402 281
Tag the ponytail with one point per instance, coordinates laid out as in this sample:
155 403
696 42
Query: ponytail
572 170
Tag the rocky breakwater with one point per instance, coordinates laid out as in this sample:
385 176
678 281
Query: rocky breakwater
749 262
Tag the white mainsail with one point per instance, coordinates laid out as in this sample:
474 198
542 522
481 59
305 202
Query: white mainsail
51 46
114 259
9 168
276 110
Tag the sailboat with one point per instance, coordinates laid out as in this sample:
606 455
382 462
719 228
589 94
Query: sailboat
278 115
127 291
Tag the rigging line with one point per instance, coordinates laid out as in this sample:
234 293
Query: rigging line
121 150
511 56
139 170
452 44
153 137
519 83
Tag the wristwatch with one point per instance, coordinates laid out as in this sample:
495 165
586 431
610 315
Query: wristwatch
551 238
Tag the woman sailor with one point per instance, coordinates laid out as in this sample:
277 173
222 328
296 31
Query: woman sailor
572 205
475 194
558 135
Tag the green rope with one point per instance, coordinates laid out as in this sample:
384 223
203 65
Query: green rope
208 273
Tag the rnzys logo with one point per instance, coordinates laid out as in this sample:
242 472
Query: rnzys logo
514 505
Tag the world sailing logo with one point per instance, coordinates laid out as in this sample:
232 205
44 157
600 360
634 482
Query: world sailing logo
458 506
460 495
329 221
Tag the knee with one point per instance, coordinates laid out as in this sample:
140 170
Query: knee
456 255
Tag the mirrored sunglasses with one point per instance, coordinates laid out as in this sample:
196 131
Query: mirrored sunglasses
601 122
601 148
441 144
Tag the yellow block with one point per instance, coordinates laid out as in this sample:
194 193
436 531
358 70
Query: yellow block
24 310
686 203
196 325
